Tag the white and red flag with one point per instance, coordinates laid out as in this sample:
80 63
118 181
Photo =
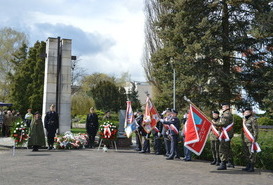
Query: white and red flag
130 123
255 146
151 116
196 130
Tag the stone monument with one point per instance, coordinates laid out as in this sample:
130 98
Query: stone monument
57 83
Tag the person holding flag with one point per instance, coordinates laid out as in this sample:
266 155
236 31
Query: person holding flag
139 131
174 125
226 125
214 138
165 131
249 137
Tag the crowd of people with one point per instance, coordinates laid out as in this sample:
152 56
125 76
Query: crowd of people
166 137
220 148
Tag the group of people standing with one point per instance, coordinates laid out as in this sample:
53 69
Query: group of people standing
166 135
36 133
7 118
35 126
222 133
168 130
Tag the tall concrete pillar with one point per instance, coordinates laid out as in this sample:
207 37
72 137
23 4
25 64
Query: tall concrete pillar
62 98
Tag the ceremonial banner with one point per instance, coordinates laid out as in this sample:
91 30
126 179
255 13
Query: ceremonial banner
130 123
197 128
151 117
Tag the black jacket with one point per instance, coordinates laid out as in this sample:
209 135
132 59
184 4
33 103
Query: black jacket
92 122
51 120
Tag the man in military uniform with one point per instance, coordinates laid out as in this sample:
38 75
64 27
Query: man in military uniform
139 130
214 139
251 125
92 126
158 138
51 124
225 123
165 131
174 125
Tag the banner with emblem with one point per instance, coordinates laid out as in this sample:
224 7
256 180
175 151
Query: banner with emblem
151 116
196 130
130 124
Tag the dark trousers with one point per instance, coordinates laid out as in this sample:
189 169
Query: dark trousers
138 141
146 145
174 147
167 143
50 141
28 121
158 145
91 140
214 144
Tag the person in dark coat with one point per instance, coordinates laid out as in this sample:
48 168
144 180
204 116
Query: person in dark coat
51 124
139 130
174 124
158 138
36 134
92 126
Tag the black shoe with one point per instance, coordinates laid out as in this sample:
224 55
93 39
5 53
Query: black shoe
251 168
218 161
157 153
247 167
177 159
49 148
169 158
222 166
230 165
186 160
138 149
142 152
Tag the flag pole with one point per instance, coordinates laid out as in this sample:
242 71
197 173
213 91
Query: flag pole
190 102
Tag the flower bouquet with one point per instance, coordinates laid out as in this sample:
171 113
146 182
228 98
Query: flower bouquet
108 130
20 133
71 141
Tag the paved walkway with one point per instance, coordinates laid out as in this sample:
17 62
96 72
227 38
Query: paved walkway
89 166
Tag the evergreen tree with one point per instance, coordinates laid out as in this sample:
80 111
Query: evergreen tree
28 78
216 48
108 96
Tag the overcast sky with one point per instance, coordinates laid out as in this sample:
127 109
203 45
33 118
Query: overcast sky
107 35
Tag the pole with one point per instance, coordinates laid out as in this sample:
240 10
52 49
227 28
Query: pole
174 87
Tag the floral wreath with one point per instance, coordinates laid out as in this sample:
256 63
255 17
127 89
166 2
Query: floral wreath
108 130
20 133
71 141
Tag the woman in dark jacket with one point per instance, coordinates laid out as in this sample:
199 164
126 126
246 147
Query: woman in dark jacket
36 135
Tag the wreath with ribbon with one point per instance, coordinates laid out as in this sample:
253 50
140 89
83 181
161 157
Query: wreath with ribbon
108 130
20 133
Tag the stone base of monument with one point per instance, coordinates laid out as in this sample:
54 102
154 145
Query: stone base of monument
123 141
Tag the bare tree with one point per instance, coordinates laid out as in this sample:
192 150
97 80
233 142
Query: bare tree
153 10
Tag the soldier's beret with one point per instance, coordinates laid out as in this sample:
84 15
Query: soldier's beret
224 103
36 113
174 111
215 112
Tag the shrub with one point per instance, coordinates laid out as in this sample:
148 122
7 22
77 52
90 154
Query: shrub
238 124
265 121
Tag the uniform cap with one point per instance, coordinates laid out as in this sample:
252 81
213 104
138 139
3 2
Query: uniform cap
174 111
215 112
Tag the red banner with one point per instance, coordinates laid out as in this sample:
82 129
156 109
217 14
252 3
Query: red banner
197 128
151 116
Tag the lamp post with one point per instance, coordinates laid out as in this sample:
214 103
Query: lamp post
174 79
